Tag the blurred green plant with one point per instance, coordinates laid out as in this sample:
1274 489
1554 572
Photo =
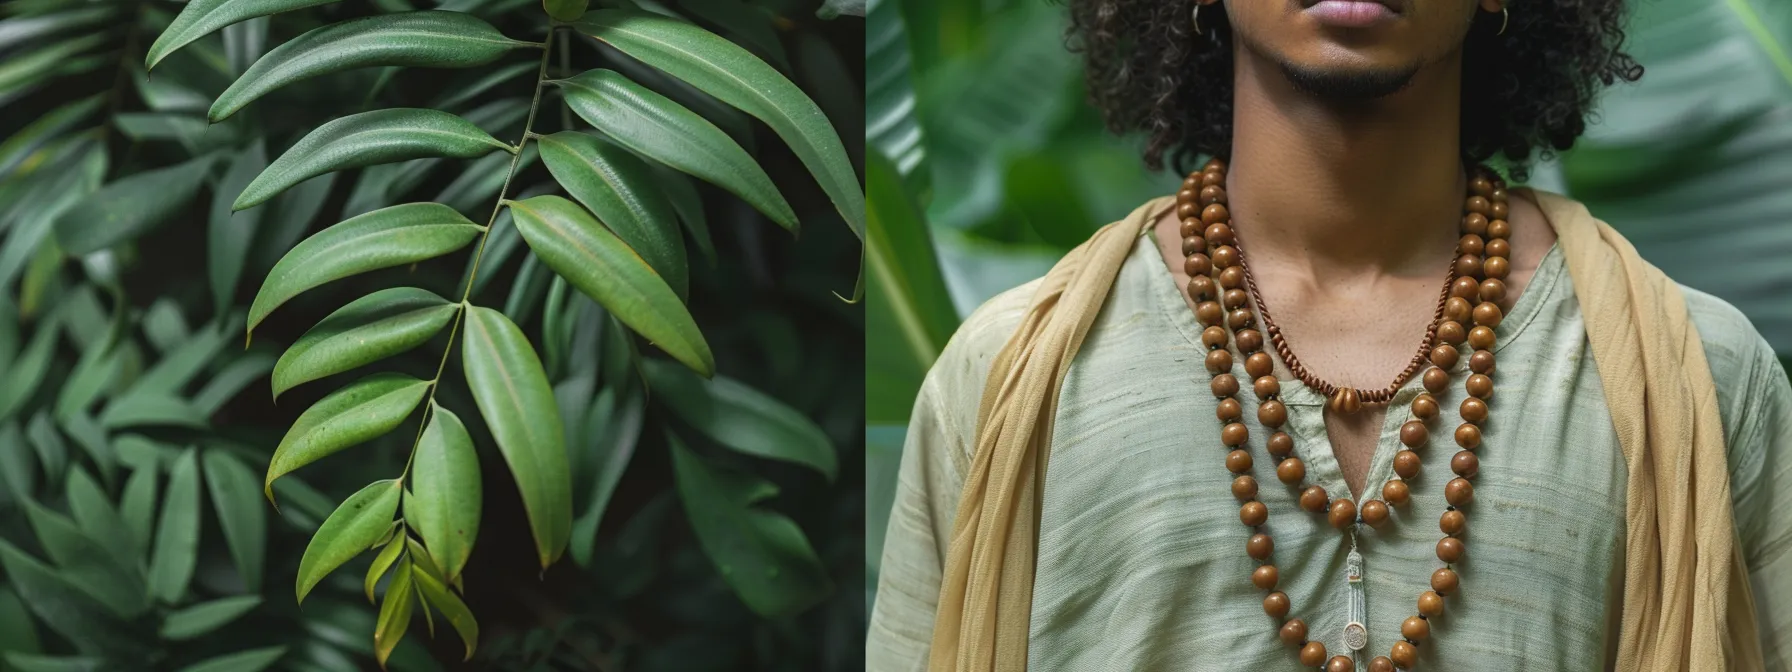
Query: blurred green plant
979 108
148 546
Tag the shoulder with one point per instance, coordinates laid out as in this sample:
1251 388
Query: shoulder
1736 352
953 388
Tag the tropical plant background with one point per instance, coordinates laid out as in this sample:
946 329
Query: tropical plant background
986 166
656 459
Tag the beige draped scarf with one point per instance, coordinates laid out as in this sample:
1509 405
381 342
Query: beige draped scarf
1686 602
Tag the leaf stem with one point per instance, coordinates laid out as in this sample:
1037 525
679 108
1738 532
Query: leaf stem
516 158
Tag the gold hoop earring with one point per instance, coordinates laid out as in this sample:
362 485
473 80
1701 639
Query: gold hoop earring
1503 16
1195 18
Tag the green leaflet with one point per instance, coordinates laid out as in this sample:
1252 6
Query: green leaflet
381 563
229 234
656 127
203 17
357 413
452 608
351 528
140 410
99 520
35 134
138 507
518 406
253 660
369 138
445 489
87 563
371 328
608 271
394 236
177 537
62 607
910 314
761 554
205 617
618 188
684 197
241 516
741 417
395 614
728 72
433 39
130 207
25 373
25 662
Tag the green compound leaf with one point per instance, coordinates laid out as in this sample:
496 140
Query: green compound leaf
432 39
446 498
369 329
518 406
619 188
395 236
658 128
204 17
599 264
352 528
366 139
365 409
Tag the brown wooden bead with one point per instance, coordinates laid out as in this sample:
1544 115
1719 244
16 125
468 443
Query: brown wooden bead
1291 471
1465 286
1192 227
1214 214
1498 247
1219 361
1232 299
1375 512
1313 499
1459 492
1435 380
1250 341
1238 461
1415 629
1224 385
1404 655
1478 205
1499 210
1481 337
1474 410
1200 288
1224 256
1239 319
1482 360
1381 664
1210 313
1444 581
1424 407
1213 194
1444 356
1294 632
1395 492
1280 444
1470 244
1266 387
1452 522
1214 337
1193 245
1450 549
1244 488
1265 577
1345 401
1276 604
1467 435
1258 365
1465 464
1406 464
1187 194
1214 165
1479 385
1312 655
1192 182
1431 605
1496 268
1196 264
1457 309
1272 413
1187 210
1475 224
1232 278
1260 546
1413 434
1342 513
1212 178
1498 228
1468 266
1253 513
1487 314
1340 664
1480 186
1448 331
1493 289
1235 434
1228 410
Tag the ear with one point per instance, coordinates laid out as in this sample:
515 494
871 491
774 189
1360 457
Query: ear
1493 6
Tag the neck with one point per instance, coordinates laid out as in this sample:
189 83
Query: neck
1362 187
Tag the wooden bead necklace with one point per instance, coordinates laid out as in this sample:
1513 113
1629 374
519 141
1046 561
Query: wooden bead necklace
1217 285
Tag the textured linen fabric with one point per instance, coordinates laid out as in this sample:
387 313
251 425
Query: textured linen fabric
1141 563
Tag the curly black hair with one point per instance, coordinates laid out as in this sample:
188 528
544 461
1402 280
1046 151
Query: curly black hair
1533 87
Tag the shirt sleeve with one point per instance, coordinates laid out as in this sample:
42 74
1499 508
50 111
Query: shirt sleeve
1761 491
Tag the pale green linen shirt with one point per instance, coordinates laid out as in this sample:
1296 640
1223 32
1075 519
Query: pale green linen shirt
1142 562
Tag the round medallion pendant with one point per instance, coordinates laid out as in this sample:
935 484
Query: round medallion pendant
1356 636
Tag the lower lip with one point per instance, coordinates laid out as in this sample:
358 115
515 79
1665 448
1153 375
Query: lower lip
1350 13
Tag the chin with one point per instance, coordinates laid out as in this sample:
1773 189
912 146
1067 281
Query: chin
1357 81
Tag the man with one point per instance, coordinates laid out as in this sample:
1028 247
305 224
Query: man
1612 495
